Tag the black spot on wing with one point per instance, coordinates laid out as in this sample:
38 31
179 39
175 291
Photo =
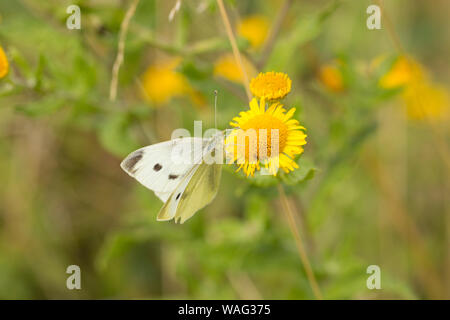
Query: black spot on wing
173 176
157 167
130 163
178 196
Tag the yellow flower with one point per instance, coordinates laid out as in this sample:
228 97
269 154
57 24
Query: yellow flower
4 65
270 138
255 29
226 67
425 100
161 82
331 78
404 71
271 85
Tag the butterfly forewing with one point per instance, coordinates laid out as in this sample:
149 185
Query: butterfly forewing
161 167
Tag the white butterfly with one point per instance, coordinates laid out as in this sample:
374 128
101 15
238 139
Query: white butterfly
184 173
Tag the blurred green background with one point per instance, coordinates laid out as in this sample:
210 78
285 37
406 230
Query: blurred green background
372 188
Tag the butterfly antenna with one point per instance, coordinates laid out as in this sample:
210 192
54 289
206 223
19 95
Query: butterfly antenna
215 108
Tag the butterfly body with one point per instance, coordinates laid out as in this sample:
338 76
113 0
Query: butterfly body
180 172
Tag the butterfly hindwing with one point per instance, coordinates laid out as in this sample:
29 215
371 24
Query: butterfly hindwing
197 189
169 208
200 191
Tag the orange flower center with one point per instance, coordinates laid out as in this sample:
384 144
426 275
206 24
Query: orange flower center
258 137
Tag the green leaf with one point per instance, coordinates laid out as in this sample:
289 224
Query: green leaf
305 172
44 106
263 181
306 29
21 62
115 134
195 72
39 73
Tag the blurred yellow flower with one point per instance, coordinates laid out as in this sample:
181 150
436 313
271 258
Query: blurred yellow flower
403 71
161 82
271 85
226 67
251 144
255 29
4 65
423 99
331 78
426 100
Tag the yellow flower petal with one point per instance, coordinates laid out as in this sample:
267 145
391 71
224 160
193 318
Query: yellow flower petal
255 29
331 78
226 67
161 82
404 71
271 85
4 64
